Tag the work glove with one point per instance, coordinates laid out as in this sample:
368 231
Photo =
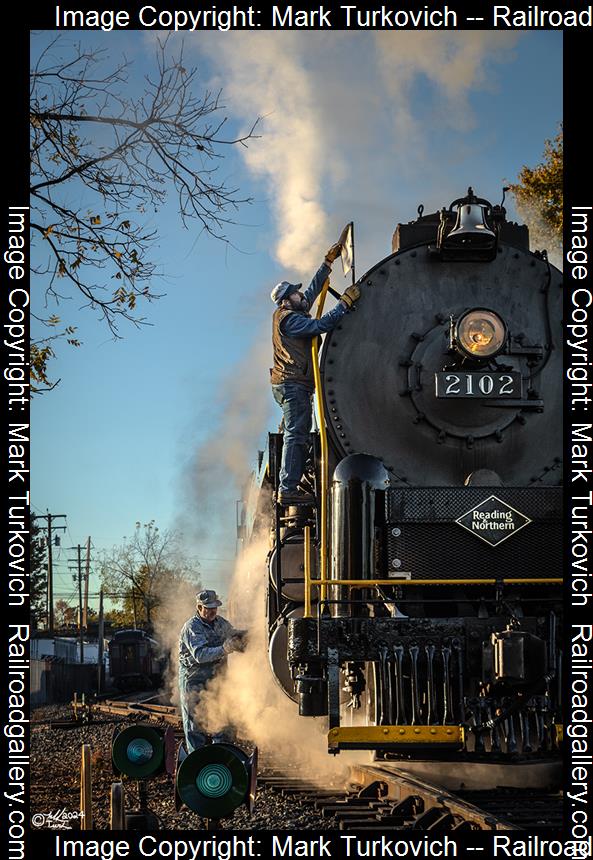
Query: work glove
236 642
333 253
350 296
241 643
233 643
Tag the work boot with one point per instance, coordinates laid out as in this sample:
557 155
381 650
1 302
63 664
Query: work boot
295 497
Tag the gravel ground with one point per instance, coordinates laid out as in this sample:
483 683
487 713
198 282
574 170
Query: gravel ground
55 781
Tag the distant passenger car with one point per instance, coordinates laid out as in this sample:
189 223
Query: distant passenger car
135 660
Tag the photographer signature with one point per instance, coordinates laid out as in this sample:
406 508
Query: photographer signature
58 819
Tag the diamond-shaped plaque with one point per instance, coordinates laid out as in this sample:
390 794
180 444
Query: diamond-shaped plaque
493 521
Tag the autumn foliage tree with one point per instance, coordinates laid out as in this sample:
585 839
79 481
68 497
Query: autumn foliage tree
65 614
144 569
106 154
539 193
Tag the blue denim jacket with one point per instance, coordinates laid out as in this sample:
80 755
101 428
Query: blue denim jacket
299 324
201 654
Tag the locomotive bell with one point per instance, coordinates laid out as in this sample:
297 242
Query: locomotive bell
471 224
471 238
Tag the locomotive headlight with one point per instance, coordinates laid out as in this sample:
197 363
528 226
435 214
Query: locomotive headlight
480 333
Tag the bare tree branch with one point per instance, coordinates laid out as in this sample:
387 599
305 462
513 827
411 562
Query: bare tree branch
119 156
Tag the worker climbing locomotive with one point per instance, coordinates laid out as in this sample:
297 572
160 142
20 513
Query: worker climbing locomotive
417 602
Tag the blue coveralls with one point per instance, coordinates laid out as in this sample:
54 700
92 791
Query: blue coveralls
201 656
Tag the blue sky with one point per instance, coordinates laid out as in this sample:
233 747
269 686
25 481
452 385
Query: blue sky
164 424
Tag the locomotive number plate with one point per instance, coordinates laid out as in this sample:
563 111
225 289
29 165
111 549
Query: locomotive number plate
478 384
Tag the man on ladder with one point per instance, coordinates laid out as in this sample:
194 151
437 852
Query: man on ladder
292 374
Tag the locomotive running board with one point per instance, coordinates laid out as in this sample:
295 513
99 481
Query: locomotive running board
398 737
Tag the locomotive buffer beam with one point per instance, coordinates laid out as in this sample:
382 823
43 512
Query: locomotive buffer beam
397 738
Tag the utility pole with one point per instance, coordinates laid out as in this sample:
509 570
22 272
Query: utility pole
86 583
101 634
79 577
50 569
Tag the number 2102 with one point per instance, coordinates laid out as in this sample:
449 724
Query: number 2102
478 384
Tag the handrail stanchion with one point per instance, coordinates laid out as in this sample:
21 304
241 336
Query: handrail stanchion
307 560
323 439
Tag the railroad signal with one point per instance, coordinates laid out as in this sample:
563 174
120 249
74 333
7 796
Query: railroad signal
215 780
142 751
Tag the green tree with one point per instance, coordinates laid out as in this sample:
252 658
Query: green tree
539 193
118 619
106 153
144 569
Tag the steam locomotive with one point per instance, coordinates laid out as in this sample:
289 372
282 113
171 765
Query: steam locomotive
418 604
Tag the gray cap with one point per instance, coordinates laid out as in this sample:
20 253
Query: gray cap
283 290
208 599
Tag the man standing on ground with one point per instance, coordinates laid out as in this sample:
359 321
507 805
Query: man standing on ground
204 643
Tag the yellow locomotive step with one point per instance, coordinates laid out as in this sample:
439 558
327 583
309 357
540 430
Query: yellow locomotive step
344 736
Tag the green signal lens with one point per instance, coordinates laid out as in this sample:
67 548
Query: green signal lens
139 751
214 780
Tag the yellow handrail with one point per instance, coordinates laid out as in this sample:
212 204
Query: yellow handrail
323 440
307 551
369 583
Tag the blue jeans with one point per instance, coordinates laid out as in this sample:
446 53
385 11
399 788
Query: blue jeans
297 408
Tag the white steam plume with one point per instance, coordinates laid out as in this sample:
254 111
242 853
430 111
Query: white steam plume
267 77
341 113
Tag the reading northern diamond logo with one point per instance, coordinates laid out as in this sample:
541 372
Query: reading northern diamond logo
493 521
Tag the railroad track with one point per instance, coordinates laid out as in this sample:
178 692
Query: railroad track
388 797
142 707
390 800
139 704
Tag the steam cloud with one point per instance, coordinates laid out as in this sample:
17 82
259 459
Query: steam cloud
318 130
216 474
539 234
247 696
173 612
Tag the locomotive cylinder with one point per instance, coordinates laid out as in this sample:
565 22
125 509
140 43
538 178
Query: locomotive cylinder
357 513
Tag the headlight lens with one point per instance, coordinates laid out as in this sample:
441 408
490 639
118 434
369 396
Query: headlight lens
480 333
